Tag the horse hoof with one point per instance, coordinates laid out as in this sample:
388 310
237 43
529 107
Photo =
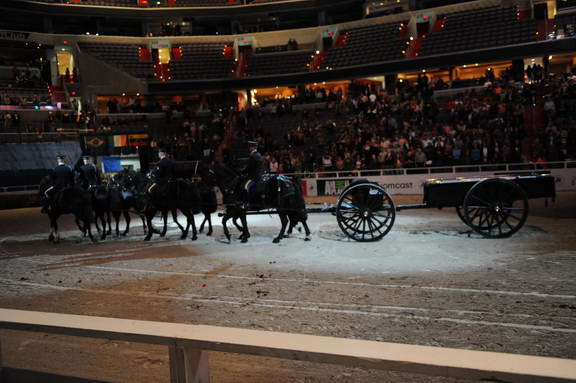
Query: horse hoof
147 238
51 238
307 239
244 240
194 238
276 240
209 233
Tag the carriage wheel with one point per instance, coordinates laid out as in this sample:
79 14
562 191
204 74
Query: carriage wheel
460 212
495 208
365 212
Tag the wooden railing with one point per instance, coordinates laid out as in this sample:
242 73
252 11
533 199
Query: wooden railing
187 346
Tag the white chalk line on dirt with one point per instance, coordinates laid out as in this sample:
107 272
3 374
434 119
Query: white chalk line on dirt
361 284
236 301
306 280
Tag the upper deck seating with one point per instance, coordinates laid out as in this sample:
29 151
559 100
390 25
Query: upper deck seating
366 45
263 64
202 61
476 29
121 56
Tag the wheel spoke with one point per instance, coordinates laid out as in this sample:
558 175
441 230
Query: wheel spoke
486 204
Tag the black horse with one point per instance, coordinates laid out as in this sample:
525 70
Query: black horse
124 200
179 194
209 204
271 191
69 200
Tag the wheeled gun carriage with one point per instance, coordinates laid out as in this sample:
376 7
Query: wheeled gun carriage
493 207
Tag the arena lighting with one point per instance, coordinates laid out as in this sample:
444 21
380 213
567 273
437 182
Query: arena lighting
549 57
317 52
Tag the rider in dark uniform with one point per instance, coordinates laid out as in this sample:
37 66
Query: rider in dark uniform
62 177
255 166
165 170
89 176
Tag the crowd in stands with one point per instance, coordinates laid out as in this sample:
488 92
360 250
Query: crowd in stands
410 129
196 140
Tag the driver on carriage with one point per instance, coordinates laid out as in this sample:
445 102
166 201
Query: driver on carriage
165 170
62 177
254 168
88 174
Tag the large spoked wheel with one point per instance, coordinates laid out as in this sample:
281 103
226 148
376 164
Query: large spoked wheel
460 212
365 212
495 208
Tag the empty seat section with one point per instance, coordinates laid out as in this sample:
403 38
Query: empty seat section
122 56
477 29
264 64
365 45
202 61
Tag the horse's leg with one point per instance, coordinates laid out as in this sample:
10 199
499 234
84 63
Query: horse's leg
51 237
145 226
96 222
209 218
175 219
126 214
284 220
116 215
149 216
246 232
87 226
225 226
238 226
185 231
306 229
80 226
192 222
102 216
165 218
202 224
109 222
55 226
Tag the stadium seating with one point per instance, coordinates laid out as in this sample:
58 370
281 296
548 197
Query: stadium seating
477 29
202 61
566 24
262 64
365 45
121 56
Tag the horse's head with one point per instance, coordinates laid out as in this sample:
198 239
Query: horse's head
223 177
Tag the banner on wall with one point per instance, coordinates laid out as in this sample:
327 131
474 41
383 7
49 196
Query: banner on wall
412 183
14 35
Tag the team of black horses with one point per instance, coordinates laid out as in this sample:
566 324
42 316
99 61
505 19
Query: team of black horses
138 193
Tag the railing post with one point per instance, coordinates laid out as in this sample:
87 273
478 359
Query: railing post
188 365
1 360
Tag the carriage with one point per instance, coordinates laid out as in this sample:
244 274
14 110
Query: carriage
492 207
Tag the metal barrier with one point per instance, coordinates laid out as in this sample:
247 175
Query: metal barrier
484 168
189 361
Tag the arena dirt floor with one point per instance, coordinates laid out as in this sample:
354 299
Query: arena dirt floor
428 282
